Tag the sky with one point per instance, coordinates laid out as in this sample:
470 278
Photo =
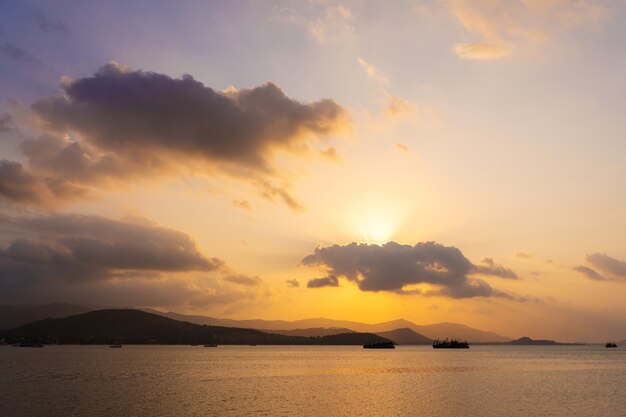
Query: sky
437 160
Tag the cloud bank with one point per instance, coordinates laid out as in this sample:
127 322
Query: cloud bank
121 124
59 257
399 268
612 269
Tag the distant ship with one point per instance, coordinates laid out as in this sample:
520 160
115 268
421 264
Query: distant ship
30 344
210 345
611 345
450 344
379 345
115 345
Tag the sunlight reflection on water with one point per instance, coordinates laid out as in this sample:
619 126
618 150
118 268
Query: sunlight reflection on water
311 380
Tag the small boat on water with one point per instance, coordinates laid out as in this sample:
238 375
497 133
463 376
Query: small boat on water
30 344
611 345
379 345
115 345
450 344
210 345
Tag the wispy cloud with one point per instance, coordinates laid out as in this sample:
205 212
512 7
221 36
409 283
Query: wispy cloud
498 28
372 72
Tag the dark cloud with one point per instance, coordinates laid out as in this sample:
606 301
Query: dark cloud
395 267
50 25
110 262
19 185
329 281
293 283
87 247
6 122
489 267
610 266
134 111
128 124
590 273
17 54
246 280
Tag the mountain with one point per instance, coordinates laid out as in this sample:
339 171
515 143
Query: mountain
460 332
17 315
431 331
139 327
313 332
527 341
405 336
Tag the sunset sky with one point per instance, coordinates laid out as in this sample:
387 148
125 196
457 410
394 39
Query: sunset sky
438 160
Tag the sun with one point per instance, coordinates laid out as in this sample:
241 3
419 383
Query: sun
375 228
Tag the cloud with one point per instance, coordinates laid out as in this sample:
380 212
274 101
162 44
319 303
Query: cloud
6 122
397 106
242 204
292 283
120 125
75 258
330 153
590 273
402 148
371 71
612 269
127 111
400 268
489 267
245 280
19 185
50 25
502 27
329 281
324 24
87 247
15 53
481 51
523 255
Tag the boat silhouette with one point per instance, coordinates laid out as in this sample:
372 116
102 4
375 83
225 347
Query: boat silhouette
450 344
379 345
610 345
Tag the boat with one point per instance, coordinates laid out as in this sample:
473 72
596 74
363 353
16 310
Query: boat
115 345
450 344
210 345
611 345
30 344
379 345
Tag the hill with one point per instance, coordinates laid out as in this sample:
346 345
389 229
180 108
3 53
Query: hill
460 332
139 327
17 315
431 331
313 332
406 337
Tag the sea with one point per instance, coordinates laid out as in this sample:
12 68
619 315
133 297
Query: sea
312 381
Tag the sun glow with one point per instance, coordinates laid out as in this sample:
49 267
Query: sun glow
375 228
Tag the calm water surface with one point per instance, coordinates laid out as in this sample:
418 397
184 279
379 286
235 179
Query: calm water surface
312 381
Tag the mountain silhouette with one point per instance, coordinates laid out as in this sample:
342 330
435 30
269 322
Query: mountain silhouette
139 327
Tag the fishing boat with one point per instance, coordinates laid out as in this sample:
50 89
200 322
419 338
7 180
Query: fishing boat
115 345
379 345
611 345
450 344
